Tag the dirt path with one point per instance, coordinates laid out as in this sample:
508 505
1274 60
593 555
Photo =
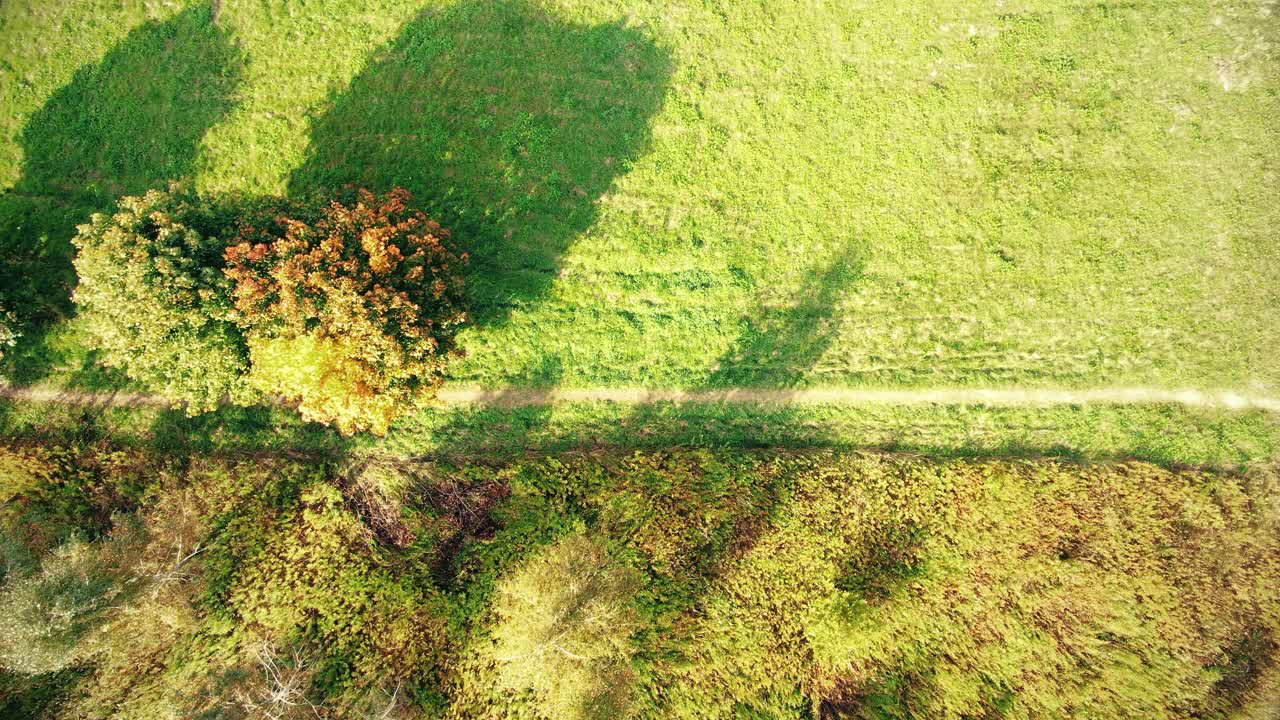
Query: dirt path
1004 397
83 397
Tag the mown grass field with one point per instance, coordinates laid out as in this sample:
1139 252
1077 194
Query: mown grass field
710 194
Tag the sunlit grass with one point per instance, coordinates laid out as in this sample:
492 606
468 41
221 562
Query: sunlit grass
950 193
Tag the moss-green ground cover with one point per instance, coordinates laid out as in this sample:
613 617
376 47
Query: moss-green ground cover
688 584
687 194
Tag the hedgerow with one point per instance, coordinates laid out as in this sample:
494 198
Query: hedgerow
318 575
50 493
893 588
48 617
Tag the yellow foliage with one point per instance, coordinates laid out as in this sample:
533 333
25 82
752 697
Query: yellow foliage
329 383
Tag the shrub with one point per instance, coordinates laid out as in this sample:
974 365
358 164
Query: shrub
47 617
8 333
153 291
564 630
895 588
352 315
156 653
50 492
318 576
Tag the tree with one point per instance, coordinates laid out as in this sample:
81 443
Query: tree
352 315
564 630
153 293
48 618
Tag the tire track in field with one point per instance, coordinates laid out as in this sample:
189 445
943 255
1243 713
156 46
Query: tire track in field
517 397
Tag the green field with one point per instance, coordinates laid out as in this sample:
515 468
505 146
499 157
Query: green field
703 195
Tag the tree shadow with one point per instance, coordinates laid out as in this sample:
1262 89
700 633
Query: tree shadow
778 345
132 122
464 431
506 123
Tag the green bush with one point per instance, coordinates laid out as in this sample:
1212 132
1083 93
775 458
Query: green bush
50 492
564 626
47 618
8 334
318 576
155 297
895 588
352 315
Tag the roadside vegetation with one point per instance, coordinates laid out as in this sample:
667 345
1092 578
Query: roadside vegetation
603 585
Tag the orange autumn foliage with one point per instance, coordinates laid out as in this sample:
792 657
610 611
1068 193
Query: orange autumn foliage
352 315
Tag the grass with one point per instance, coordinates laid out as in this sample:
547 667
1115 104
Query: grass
1167 436
694 195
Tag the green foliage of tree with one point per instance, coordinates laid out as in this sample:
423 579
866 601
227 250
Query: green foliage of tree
318 575
153 291
353 315
564 626
47 618
348 310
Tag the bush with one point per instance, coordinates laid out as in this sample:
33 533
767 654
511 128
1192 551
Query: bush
564 630
154 294
8 333
319 576
47 617
895 588
353 315
50 492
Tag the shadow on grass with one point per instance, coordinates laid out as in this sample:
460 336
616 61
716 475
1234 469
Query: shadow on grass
776 349
60 349
1162 436
246 430
777 346
132 122
496 418
506 123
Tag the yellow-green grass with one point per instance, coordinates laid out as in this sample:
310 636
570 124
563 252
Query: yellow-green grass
666 194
